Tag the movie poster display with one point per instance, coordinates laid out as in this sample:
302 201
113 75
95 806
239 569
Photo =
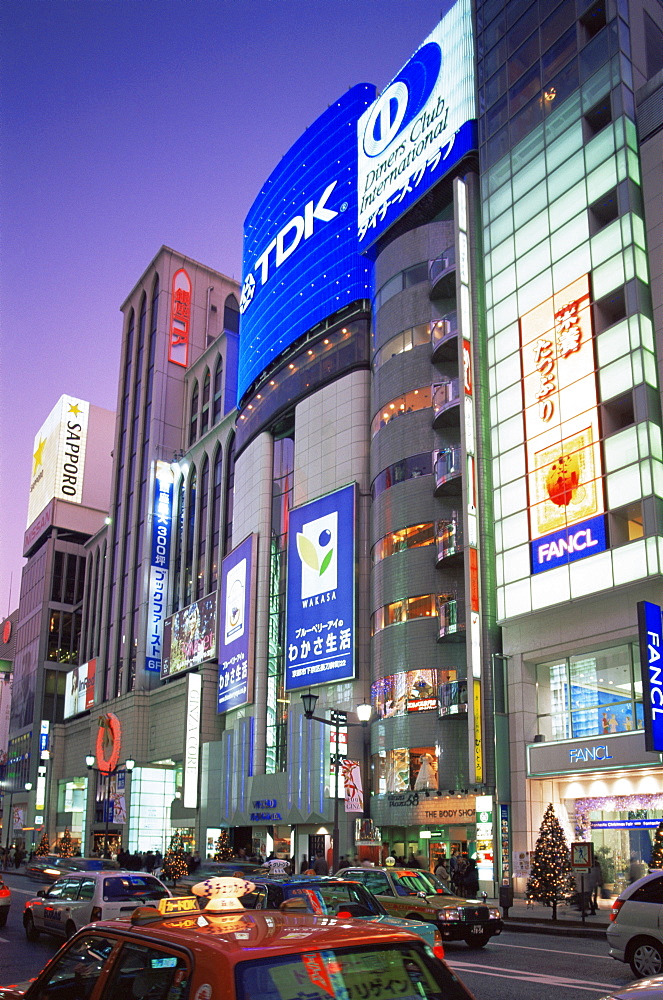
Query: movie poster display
189 637
236 626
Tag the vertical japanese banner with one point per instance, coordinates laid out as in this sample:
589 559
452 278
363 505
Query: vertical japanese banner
321 591
180 319
236 626
354 791
162 514
562 434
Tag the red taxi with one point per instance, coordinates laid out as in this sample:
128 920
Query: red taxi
180 952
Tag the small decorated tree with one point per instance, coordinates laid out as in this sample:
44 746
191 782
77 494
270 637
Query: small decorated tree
657 848
65 847
43 848
223 851
551 880
174 863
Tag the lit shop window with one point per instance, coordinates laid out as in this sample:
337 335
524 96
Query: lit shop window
406 769
402 611
415 336
406 692
417 399
405 538
592 694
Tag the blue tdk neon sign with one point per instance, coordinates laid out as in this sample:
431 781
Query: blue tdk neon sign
301 259
650 631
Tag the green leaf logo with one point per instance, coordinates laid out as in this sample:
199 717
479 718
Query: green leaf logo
307 551
326 561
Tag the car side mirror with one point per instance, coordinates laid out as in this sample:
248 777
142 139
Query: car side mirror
422 894
41 892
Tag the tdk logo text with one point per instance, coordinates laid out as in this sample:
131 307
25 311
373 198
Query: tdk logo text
403 99
286 241
569 544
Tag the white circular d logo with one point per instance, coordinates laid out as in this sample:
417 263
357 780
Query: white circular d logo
386 118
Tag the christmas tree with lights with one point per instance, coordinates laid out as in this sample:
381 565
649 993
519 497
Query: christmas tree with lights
657 848
174 863
65 847
551 880
224 851
43 848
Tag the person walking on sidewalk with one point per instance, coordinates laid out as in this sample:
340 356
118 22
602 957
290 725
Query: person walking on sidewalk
595 885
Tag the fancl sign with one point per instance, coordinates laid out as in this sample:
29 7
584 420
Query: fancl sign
569 544
419 127
650 631
320 593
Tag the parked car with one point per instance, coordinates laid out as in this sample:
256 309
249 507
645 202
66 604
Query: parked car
214 869
408 892
78 899
635 934
239 954
52 866
642 989
5 902
327 895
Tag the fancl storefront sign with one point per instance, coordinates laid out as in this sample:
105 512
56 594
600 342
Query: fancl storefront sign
603 753
650 630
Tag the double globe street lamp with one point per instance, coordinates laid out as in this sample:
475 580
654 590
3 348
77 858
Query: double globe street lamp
108 771
338 719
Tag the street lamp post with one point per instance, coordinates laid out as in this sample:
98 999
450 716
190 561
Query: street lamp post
337 720
128 765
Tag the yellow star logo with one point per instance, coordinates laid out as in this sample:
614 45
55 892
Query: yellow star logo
75 409
38 456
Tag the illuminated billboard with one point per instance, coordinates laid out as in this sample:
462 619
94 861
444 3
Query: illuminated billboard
162 516
236 626
562 436
79 689
300 260
58 456
406 692
419 127
320 591
650 632
180 319
189 637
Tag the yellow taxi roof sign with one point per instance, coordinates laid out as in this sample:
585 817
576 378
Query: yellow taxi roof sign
178 904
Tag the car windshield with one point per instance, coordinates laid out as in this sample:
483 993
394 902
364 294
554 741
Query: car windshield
129 887
436 884
412 881
386 973
328 899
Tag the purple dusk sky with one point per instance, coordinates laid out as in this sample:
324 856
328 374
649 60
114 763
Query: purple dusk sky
128 124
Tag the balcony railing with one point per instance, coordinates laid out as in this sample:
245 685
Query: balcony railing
448 469
444 333
446 396
440 269
451 618
449 534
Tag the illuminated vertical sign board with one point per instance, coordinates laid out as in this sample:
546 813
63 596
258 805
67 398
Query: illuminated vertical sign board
192 741
180 319
419 127
562 436
58 456
236 626
321 591
650 632
162 516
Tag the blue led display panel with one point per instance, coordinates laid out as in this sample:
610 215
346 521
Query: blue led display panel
650 632
300 259
321 591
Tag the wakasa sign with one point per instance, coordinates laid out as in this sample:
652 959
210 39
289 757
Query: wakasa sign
320 592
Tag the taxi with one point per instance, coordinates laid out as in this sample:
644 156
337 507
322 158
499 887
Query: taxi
5 902
407 892
224 952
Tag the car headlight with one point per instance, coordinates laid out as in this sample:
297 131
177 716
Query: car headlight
494 913
52 871
449 914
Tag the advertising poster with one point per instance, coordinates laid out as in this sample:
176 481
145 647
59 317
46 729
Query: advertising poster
79 689
420 125
321 591
58 456
354 792
189 637
563 452
236 626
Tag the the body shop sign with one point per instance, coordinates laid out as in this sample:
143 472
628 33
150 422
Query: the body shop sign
162 513
236 626
320 591
650 631
420 125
